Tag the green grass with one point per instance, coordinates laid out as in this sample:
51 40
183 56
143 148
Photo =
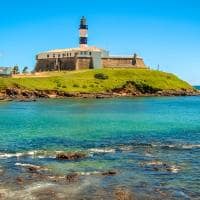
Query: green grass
85 81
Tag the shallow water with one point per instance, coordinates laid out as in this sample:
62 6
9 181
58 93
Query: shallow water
152 143
197 87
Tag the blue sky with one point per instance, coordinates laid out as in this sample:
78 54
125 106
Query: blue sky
164 32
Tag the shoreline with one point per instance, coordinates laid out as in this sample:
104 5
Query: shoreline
28 95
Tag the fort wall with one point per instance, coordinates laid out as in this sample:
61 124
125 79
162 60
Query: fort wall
84 63
114 62
52 64
78 63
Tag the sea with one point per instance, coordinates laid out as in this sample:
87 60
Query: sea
136 148
197 87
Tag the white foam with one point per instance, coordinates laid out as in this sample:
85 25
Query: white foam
31 165
26 165
126 148
10 155
88 173
174 169
102 150
34 154
179 146
190 146
154 163
148 155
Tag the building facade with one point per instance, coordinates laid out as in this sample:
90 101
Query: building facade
6 71
84 57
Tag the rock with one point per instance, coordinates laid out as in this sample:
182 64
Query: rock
70 156
123 194
160 166
1 171
20 180
109 173
130 88
155 168
72 177
31 168
27 100
46 194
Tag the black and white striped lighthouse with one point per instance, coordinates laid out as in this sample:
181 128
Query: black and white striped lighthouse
83 33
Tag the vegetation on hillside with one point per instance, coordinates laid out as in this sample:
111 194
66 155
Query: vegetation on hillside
101 80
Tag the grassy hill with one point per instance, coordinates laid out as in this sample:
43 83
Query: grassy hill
108 80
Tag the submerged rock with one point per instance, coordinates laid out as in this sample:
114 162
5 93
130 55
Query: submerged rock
72 177
109 173
123 194
27 100
70 156
31 168
160 166
19 180
1 170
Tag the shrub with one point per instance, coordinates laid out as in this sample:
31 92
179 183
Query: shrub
58 85
75 85
101 76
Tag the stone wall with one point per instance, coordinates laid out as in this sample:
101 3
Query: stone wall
84 63
67 63
53 64
123 62
139 63
78 63
116 62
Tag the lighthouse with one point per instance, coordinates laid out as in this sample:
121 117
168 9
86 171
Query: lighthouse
83 33
84 56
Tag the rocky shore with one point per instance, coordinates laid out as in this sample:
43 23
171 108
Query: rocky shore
127 91
39 182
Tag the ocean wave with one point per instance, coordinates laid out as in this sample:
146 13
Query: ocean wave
126 148
89 173
32 167
180 146
10 155
37 154
160 145
102 150
42 154
27 165
161 166
191 146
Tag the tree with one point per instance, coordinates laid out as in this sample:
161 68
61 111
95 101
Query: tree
25 70
16 69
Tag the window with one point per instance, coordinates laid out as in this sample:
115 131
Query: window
90 53
70 54
54 55
58 55
64 54
47 55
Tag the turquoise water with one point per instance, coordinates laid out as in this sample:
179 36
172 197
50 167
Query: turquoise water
197 87
136 137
